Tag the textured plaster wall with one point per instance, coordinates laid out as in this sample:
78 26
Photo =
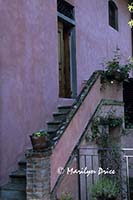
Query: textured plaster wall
77 125
29 69
127 141
28 74
69 184
96 40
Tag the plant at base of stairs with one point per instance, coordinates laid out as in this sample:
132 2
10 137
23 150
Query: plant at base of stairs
105 189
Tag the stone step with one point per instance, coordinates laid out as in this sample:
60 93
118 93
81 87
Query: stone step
13 191
54 124
52 134
16 188
18 176
52 130
12 195
22 164
65 109
59 116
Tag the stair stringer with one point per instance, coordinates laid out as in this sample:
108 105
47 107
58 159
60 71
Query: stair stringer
105 104
72 130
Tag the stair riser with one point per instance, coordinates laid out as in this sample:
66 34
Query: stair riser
63 109
22 166
61 117
18 180
52 129
53 126
52 136
12 195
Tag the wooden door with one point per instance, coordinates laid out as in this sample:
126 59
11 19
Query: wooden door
61 60
64 59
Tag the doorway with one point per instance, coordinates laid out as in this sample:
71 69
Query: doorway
64 59
66 50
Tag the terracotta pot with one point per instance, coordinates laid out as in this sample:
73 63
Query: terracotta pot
117 76
39 143
110 77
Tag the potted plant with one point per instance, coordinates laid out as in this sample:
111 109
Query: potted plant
40 140
105 189
109 119
114 70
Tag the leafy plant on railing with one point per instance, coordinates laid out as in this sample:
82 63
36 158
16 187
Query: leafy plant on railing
109 153
109 119
115 71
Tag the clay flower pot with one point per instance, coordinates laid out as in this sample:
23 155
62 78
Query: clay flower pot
118 76
39 140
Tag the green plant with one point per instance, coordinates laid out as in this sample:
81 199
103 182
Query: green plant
40 140
66 196
105 188
109 120
128 119
130 8
40 133
112 122
114 70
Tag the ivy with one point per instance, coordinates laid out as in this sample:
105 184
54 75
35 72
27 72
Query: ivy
111 121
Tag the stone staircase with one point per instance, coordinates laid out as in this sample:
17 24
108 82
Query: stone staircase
15 189
58 118
64 120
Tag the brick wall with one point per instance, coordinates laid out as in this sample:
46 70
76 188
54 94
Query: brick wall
38 175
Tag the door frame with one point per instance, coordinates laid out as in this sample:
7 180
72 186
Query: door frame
72 44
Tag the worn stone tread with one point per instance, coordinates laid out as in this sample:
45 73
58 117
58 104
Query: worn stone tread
65 109
14 186
54 122
59 114
18 173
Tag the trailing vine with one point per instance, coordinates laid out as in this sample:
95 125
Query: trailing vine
97 134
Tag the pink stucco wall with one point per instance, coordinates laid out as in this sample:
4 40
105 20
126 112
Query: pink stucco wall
28 74
75 129
96 40
69 184
29 69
